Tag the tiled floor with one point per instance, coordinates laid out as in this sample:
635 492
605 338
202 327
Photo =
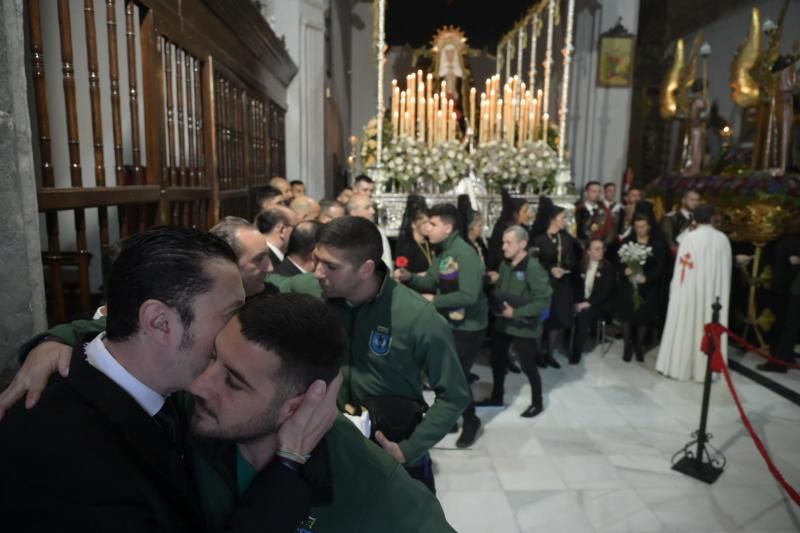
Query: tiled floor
598 458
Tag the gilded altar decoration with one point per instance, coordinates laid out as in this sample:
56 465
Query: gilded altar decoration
743 86
687 77
668 99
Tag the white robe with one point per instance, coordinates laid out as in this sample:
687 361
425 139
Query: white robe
693 291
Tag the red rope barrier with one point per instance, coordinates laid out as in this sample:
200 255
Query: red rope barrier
717 330
713 333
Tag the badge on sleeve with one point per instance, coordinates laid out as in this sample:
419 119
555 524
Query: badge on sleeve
380 341
520 275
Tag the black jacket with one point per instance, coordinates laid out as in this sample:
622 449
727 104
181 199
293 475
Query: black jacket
604 281
87 458
287 269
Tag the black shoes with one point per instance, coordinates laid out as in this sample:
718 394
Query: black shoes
575 359
639 354
531 411
512 366
491 401
772 367
552 361
627 353
469 433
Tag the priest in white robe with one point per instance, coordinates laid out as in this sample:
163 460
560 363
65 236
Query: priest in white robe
702 274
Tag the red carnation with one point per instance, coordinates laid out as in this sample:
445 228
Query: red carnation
401 261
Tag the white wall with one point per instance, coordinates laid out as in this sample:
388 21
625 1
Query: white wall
302 24
725 35
599 120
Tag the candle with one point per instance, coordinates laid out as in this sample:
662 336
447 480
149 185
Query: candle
395 108
407 123
497 133
402 112
484 130
545 118
492 111
430 121
472 93
452 126
421 118
439 125
531 126
534 119
523 115
412 105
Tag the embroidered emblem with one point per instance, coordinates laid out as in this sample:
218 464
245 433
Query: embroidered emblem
380 341
686 262
307 525
520 275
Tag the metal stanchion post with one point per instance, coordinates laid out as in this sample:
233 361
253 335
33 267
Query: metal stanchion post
706 463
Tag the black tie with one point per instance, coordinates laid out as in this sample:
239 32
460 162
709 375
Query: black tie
167 418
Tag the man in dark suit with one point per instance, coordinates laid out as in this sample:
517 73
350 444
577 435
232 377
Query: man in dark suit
104 448
594 283
300 253
277 223
592 218
681 219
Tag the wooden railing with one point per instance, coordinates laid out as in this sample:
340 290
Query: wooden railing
185 104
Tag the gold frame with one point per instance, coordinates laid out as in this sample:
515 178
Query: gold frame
620 44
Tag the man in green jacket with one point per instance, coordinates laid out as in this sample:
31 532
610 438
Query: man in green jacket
395 337
265 358
454 284
522 293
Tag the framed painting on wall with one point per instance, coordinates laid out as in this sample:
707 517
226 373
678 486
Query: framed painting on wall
615 57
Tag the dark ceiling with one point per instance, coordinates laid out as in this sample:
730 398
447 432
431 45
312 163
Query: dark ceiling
414 22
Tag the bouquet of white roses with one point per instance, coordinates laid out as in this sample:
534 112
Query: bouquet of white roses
634 255
493 162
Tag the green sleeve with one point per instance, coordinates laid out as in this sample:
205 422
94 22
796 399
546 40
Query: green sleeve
426 283
301 283
435 350
67 333
407 507
539 285
470 284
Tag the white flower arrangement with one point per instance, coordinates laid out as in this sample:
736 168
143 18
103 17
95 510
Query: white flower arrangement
634 256
492 162
536 164
404 163
448 164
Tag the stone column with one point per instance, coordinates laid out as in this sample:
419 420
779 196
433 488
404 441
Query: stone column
22 312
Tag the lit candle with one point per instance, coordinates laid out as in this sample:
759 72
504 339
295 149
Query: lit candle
412 105
420 103
545 118
429 86
402 112
534 119
498 123
421 118
472 93
439 125
430 121
523 123
484 130
452 126
407 123
492 111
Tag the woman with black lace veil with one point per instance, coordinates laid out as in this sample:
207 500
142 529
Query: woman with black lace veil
555 249
514 212
412 242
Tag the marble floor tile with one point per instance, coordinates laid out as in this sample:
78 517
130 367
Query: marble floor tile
478 511
549 512
598 459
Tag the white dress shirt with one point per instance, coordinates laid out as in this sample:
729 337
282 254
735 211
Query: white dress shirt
591 272
301 269
277 251
99 357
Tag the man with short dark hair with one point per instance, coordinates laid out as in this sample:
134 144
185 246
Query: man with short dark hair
266 358
592 219
395 337
108 437
330 210
277 223
678 221
298 188
265 197
363 184
456 278
300 253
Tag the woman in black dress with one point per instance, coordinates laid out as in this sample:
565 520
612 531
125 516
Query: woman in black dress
514 212
637 321
470 226
555 249
412 242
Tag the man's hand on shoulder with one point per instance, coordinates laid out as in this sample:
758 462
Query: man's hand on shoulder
43 361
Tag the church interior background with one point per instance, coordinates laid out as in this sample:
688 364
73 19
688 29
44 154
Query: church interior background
122 114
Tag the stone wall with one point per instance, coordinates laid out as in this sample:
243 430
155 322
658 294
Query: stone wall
21 283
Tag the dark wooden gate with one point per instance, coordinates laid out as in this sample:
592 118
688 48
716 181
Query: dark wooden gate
185 102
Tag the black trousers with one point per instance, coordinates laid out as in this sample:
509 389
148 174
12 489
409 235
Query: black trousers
582 323
468 346
789 332
423 472
526 350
